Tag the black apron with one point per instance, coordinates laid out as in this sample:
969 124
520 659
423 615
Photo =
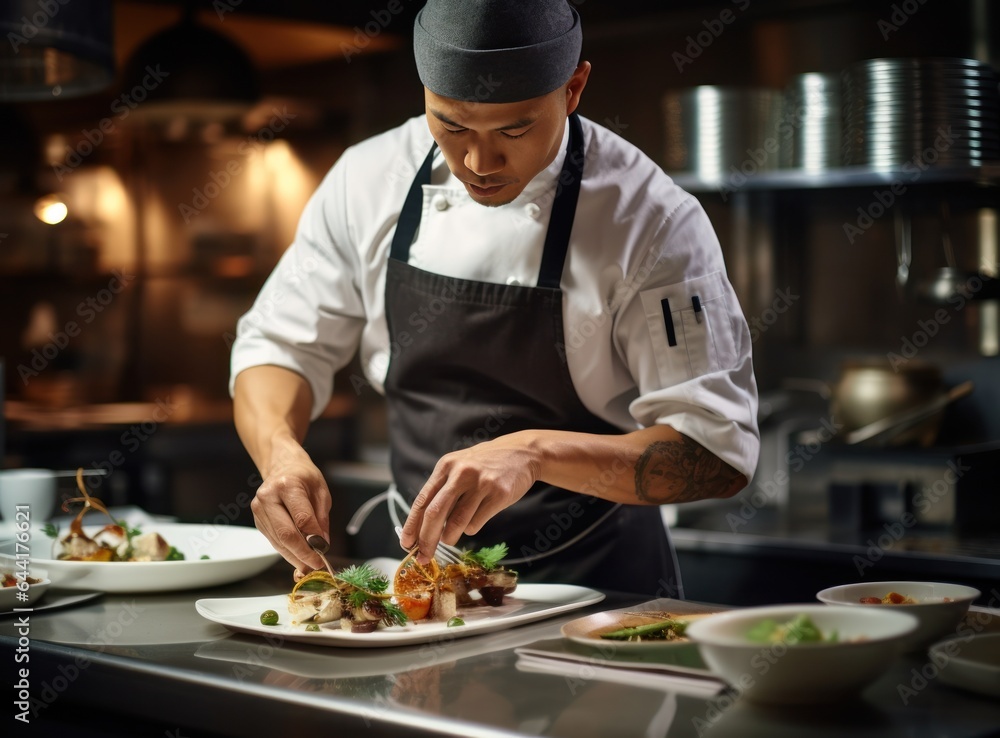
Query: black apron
492 362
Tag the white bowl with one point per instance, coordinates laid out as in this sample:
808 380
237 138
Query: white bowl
9 599
972 663
806 673
940 607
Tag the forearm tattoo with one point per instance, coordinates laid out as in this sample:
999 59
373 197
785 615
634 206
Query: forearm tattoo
681 471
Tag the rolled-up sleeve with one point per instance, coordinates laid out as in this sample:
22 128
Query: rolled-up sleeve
687 344
309 314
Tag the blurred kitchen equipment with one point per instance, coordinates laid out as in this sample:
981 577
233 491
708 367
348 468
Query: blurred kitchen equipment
904 246
55 50
869 391
952 285
210 77
812 109
883 431
875 391
933 111
720 132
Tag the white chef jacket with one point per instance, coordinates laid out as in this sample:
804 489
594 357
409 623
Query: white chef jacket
637 239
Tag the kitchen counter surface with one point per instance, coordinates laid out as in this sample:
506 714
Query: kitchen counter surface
148 664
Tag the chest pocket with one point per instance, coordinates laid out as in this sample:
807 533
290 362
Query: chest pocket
690 327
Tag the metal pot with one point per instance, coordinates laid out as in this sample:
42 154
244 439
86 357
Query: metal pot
870 390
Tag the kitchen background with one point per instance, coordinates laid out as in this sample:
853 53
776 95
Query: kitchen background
137 223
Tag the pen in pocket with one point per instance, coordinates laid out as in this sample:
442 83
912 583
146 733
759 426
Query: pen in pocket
668 321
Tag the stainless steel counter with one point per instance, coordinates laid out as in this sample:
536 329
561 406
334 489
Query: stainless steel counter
150 665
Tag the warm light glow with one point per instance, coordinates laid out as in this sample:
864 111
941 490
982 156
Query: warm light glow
51 209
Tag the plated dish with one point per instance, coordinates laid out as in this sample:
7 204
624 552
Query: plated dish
938 606
233 553
971 663
844 650
530 603
12 596
592 630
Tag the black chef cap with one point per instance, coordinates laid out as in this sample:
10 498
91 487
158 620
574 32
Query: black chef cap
496 51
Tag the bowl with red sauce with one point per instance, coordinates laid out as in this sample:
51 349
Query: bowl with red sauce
940 607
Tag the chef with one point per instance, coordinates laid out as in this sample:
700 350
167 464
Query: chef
547 314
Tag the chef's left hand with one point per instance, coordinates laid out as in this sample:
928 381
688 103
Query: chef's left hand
469 487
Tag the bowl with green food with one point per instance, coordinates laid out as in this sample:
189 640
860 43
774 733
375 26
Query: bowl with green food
801 654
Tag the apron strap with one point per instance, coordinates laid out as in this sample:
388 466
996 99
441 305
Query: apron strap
563 209
409 216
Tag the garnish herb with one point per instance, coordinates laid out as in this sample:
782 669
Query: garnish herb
488 558
269 617
455 621
51 530
176 555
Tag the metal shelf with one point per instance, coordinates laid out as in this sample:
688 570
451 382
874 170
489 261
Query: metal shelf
796 179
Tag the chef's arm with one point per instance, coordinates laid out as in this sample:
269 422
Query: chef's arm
271 408
653 466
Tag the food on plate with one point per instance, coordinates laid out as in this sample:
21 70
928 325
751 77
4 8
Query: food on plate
669 629
358 596
436 594
269 617
895 598
800 629
7 579
480 571
116 541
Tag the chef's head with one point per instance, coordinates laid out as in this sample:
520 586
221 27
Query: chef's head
500 77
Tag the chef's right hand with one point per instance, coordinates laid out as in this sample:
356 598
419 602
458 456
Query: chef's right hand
292 503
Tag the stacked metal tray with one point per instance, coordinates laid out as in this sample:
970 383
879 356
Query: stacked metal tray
719 133
928 112
811 131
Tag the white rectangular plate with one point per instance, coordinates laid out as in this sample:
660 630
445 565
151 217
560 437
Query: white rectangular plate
530 602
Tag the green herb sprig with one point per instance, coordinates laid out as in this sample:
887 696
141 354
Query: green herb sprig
488 558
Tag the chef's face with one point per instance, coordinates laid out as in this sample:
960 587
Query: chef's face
497 148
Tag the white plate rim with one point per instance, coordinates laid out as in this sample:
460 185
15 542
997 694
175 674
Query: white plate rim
559 598
137 576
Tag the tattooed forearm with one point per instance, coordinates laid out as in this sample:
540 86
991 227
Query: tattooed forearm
681 471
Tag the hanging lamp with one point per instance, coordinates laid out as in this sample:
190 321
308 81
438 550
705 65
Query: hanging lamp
53 49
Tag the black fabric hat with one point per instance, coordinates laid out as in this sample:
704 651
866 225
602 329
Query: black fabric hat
496 51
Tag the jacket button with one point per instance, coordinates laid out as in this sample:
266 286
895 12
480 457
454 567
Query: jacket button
440 202
532 210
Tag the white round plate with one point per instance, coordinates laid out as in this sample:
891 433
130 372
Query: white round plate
234 553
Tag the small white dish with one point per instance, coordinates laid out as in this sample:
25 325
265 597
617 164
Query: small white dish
939 609
9 599
806 673
971 663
